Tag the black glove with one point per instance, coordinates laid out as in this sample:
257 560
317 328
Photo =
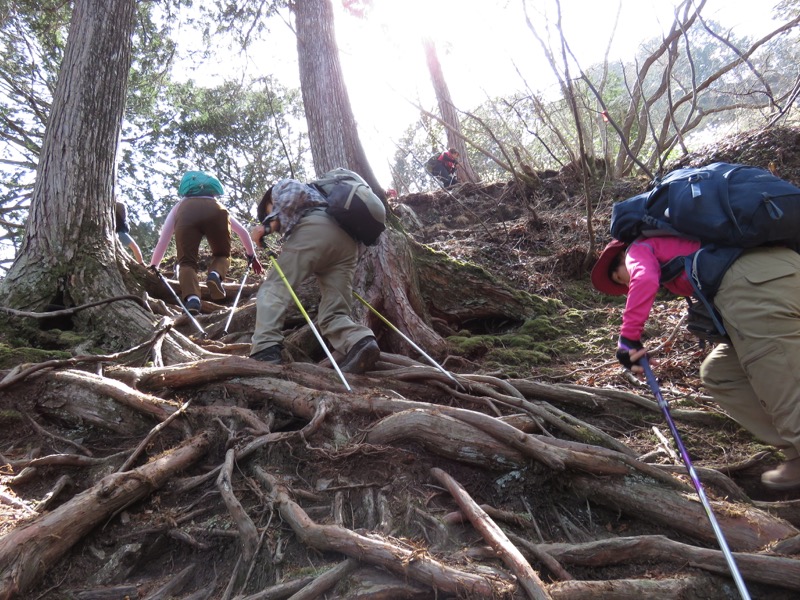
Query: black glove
154 269
624 349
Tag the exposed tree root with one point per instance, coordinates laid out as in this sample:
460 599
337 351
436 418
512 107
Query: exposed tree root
46 539
502 463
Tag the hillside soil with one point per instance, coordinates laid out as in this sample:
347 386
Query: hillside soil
299 478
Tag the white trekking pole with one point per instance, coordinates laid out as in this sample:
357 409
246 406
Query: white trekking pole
178 300
238 294
406 338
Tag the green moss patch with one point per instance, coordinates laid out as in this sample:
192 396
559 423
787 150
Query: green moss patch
11 357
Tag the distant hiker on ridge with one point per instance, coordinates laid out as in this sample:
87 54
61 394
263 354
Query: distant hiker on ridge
443 167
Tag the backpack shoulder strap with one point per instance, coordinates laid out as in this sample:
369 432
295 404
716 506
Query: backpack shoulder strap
689 267
671 269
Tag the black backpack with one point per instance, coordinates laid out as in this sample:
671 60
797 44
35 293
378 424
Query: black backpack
723 204
430 165
353 204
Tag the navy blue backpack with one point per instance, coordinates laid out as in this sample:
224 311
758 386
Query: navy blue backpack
723 204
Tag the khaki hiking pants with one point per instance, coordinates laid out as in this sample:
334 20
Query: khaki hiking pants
198 218
316 246
756 378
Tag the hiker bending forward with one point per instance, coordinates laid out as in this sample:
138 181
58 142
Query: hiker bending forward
314 244
444 167
198 214
755 377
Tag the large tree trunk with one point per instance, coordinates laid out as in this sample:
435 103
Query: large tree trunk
386 272
332 130
69 252
448 112
69 235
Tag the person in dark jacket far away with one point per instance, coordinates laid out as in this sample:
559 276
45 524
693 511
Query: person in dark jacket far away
444 167
755 376
199 214
314 244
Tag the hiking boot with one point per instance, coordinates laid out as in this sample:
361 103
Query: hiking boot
215 288
271 355
193 305
362 356
786 476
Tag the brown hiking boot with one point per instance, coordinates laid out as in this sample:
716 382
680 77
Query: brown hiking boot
215 288
361 357
270 355
786 476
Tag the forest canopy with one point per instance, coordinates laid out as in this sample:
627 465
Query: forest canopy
248 127
494 449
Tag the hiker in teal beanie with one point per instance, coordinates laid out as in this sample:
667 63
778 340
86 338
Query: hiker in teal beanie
199 214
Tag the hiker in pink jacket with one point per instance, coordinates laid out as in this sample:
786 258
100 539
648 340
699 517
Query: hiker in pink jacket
755 376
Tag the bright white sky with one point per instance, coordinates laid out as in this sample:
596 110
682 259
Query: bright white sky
478 42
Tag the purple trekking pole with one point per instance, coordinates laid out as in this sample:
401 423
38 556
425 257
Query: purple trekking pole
653 383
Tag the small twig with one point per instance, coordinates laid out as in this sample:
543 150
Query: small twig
69 460
173 585
153 432
21 372
67 312
63 482
543 557
666 445
41 430
326 581
233 579
12 501
252 566
671 336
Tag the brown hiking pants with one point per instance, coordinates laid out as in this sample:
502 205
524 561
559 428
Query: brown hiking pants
198 218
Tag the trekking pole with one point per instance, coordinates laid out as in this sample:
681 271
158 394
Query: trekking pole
653 383
178 300
406 338
278 269
238 294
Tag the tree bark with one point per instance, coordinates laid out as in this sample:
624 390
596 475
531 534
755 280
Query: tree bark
69 255
332 129
448 112
69 236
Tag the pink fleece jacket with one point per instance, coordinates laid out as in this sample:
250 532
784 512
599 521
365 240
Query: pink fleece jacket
643 260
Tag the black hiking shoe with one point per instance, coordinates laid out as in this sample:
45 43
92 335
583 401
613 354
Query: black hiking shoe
193 305
362 356
215 288
271 355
